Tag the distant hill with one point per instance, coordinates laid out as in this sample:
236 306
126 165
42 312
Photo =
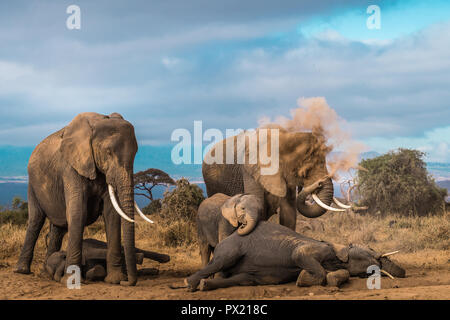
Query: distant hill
14 161
10 190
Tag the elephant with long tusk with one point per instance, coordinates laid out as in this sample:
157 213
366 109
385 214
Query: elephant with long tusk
274 254
302 166
77 174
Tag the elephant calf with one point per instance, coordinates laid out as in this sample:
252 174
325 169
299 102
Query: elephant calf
94 261
220 215
274 254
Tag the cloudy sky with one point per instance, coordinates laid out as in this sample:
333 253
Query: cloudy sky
164 64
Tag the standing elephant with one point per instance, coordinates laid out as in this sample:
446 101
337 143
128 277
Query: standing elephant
302 165
77 174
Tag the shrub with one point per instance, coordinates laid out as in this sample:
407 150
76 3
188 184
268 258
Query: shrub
153 207
398 182
178 233
18 215
182 202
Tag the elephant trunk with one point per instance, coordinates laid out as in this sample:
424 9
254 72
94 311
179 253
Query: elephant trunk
392 268
126 198
249 222
325 194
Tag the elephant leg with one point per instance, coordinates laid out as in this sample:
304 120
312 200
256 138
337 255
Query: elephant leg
224 258
288 211
55 238
114 263
36 219
76 212
313 273
159 257
205 252
241 279
338 277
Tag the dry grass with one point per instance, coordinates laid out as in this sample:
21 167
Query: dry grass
423 241
409 234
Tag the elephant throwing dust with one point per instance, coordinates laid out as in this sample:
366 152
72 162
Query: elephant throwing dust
302 165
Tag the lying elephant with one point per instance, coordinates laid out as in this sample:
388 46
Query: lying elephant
274 254
93 266
220 215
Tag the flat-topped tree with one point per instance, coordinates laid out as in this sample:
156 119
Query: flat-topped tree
146 180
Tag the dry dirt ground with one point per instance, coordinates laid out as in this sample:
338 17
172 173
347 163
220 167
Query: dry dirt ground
428 277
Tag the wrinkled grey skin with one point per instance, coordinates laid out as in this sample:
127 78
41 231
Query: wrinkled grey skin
68 176
274 254
94 261
302 162
220 215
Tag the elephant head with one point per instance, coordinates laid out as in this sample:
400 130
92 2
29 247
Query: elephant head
357 259
302 165
103 147
243 211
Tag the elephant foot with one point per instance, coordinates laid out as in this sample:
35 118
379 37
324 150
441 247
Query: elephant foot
22 269
128 283
97 273
115 277
203 286
191 284
306 279
45 274
336 278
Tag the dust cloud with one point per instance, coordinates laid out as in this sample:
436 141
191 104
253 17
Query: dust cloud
316 116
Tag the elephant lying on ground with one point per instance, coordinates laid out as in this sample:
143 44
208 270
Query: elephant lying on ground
274 254
220 215
93 266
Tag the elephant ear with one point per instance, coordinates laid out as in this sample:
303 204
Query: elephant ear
274 183
76 147
229 210
341 252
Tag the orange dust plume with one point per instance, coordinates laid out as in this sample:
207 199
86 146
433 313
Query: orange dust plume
316 116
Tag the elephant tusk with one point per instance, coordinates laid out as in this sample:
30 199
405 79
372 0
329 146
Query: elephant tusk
323 205
340 204
116 205
389 253
138 210
387 273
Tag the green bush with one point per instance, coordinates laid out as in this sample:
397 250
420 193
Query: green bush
398 182
182 202
179 233
18 215
153 207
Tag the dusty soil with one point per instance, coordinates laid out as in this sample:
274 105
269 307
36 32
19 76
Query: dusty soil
428 277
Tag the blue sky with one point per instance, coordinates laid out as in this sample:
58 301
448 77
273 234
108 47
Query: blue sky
164 64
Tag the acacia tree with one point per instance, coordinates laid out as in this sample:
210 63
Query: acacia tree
398 182
145 181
